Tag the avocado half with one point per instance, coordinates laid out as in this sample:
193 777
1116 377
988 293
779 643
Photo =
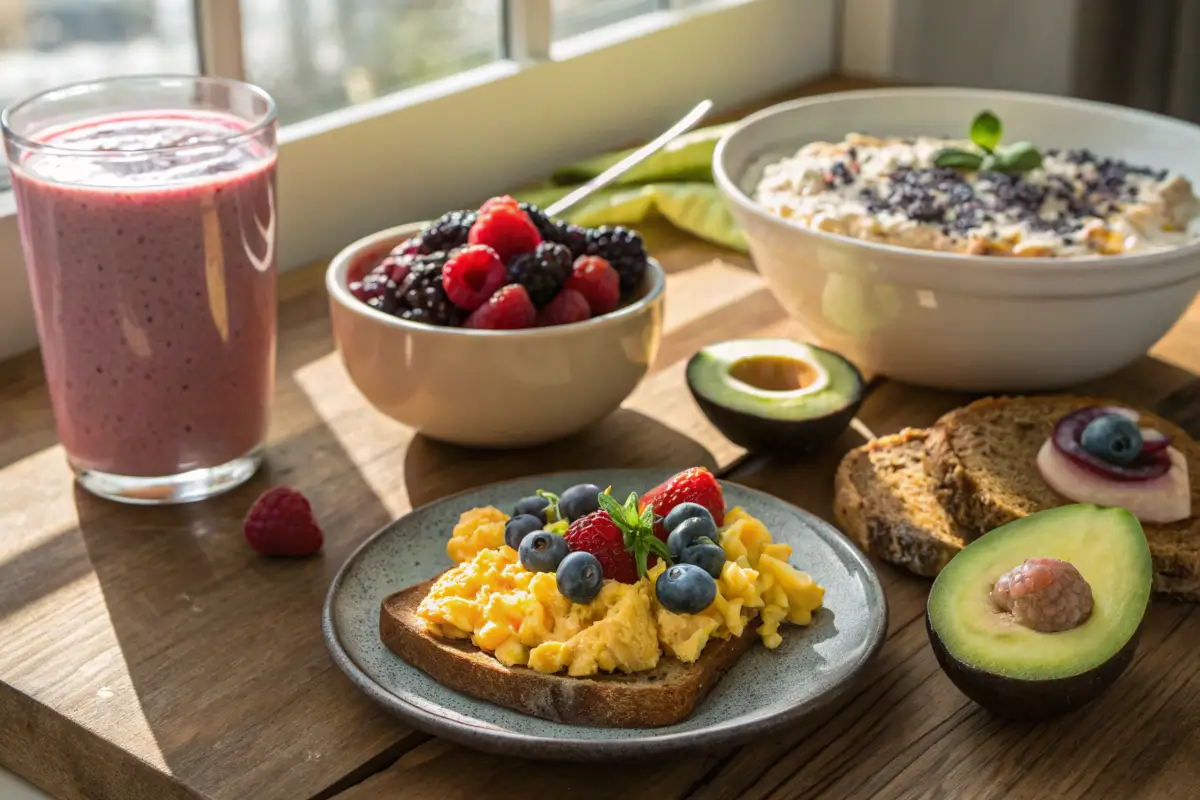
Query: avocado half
1019 673
775 396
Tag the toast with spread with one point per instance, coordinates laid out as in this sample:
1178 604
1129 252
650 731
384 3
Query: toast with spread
915 498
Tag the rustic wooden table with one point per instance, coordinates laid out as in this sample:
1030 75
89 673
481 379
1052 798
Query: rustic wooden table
148 653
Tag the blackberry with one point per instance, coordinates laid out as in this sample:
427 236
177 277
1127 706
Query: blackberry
623 249
575 238
421 297
543 272
547 228
447 232
558 231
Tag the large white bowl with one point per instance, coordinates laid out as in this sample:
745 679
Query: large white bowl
490 388
953 321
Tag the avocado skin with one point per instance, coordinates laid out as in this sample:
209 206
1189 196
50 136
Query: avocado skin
773 436
1030 701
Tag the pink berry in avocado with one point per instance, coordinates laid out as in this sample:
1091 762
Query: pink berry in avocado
472 275
1045 594
567 306
508 309
281 523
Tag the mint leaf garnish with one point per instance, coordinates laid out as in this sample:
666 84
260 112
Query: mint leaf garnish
986 130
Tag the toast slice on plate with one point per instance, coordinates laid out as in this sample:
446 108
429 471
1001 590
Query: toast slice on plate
887 504
662 696
983 458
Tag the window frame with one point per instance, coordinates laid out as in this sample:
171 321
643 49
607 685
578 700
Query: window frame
766 46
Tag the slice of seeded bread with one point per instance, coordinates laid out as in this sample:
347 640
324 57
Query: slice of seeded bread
662 696
887 504
983 459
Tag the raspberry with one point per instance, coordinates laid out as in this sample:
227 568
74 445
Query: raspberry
505 229
472 275
569 306
598 282
281 523
502 200
508 309
1045 594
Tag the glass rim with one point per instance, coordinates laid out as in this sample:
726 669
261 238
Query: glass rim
255 127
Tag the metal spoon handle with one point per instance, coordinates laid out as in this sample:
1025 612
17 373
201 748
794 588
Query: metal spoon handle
630 161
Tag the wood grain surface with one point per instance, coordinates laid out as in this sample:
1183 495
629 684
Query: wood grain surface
147 653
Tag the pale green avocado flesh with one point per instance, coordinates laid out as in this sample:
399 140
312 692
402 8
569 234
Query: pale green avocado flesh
751 376
1108 548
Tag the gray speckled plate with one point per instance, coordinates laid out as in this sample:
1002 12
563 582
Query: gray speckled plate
764 690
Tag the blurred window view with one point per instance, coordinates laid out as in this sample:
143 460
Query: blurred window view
573 17
313 56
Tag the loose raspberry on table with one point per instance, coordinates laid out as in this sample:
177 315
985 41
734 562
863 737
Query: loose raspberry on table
281 523
569 306
595 279
506 229
508 309
472 275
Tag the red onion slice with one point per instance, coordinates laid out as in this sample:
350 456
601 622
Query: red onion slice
1068 432
1153 441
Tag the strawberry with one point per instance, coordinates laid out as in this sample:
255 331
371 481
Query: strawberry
281 523
568 306
695 485
508 309
620 537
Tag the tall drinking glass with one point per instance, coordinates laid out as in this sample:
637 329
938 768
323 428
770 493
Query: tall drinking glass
147 215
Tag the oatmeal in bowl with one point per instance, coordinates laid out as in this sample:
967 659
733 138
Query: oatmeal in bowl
969 239
917 192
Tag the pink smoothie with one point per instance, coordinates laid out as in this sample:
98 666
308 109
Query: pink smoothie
153 277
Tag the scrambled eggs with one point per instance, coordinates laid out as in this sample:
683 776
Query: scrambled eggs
521 618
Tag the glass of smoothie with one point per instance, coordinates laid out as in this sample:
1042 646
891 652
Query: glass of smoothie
147 214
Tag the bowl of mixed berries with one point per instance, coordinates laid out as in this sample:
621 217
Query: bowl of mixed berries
496 327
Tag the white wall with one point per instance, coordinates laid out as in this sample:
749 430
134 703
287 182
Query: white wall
1027 45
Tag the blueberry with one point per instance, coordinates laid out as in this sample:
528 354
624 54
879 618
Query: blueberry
580 577
534 506
685 511
579 501
542 551
1114 438
688 531
520 526
685 589
705 554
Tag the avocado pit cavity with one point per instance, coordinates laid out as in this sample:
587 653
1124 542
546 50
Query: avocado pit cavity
775 396
777 373
1045 594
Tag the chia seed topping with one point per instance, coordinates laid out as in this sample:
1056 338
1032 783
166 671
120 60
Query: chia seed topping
1076 203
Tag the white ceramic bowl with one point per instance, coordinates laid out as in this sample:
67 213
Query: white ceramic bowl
490 388
953 321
